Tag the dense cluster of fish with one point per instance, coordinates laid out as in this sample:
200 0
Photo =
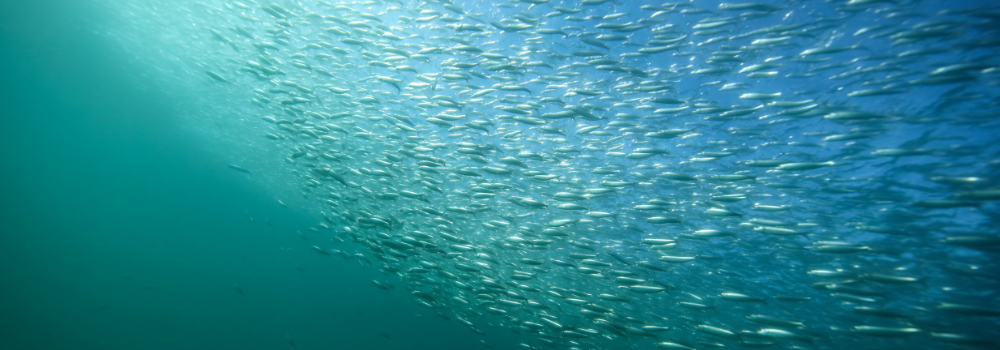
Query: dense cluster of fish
600 174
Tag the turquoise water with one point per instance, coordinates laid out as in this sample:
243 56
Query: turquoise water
121 231
129 223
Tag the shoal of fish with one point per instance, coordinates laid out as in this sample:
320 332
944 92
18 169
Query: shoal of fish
688 175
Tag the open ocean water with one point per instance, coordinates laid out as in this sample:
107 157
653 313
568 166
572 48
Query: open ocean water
534 174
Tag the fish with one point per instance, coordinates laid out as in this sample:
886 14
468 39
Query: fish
239 168
217 77
603 174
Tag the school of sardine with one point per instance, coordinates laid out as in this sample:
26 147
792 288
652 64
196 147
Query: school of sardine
687 175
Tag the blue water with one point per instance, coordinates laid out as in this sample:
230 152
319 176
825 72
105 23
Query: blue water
124 226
